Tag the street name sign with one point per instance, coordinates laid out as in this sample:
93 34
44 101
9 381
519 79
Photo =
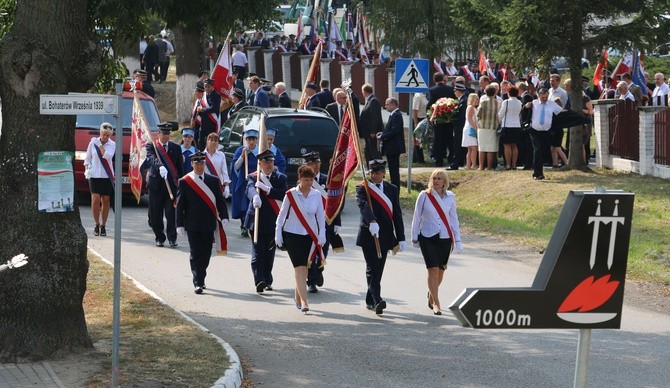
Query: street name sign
78 104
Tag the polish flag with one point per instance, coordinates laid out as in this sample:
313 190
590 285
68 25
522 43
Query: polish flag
598 74
221 74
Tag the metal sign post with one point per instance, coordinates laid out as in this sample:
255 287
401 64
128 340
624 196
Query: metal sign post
118 193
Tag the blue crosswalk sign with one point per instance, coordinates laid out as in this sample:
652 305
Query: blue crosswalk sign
411 75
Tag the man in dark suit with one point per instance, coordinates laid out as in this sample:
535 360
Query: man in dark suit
283 100
325 96
312 99
459 123
166 166
196 219
209 112
370 123
259 97
265 194
306 47
443 136
393 140
337 109
260 41
238 103
381 218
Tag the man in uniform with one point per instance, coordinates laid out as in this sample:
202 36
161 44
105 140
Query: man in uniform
312 98
265 193
201 209
209 110
146 87
166 166
381 218
315 272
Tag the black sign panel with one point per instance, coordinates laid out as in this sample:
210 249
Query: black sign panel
580 282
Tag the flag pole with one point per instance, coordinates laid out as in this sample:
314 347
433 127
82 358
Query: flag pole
262 143
311 74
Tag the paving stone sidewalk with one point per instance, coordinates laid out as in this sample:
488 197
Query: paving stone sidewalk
37 374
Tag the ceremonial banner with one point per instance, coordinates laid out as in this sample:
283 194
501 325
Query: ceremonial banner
345 162
223 83
140 136
311 75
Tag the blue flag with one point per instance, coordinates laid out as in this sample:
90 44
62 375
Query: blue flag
637 74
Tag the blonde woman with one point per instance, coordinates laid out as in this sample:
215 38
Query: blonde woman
435 228
470 132
100 174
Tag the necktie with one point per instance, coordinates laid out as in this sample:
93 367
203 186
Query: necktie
542 114
165 146
200 176
379 185
341 112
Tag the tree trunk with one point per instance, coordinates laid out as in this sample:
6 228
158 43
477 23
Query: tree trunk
187 49
575 160
49 49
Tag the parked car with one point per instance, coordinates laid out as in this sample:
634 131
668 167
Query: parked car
298 131
88 126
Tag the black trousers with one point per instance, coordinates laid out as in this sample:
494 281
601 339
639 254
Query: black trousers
263 258
200 244
163 69
393 161
371 151
540 141
160 204
443 142
315 272
458 151
374 269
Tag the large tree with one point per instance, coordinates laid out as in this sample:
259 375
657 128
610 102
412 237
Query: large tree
49 49
528 33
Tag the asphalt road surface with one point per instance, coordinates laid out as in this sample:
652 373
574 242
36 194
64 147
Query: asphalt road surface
341 344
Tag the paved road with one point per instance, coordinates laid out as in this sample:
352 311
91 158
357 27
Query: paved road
341 344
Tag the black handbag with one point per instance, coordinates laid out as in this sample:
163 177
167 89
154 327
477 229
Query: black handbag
502 131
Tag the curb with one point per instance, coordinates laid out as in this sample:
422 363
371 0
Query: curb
232 378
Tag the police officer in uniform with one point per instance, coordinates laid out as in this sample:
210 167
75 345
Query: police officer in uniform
195 218
381 218
266 195
166 166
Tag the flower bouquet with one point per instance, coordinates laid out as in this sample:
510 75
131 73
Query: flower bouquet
444 110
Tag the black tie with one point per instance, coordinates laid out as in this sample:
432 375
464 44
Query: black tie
200 176
379 185
341 112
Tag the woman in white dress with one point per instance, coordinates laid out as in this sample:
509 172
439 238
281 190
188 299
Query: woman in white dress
470 132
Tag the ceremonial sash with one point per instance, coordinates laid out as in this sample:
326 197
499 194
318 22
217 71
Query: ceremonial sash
437 67
296 204
210 166
439 207
341 56
324 195
206 194
194 112
167 162
281 48
309 52
468 73
381 198
105 165
274 204
214 118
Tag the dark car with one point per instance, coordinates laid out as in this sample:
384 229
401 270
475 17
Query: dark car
298 131
88 126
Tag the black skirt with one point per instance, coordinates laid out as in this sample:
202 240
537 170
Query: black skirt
435 250
102 186
512 136
557 137
298 246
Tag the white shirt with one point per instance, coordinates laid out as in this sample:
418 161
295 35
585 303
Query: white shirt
93 161
220 165
427 222
170 48
314 214
560 93
143 46
509 113
239 58
659 97
627 96
419 103
550 109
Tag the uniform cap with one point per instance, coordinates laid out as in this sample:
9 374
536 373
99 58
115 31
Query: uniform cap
377 165
198 157
165 127
188 132
251 133
266 155
311 157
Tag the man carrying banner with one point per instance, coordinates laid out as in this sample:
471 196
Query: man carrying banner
381 218
201 212
208 111
244 162
265 193
165 168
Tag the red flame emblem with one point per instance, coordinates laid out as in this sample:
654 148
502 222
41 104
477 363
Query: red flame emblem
589 294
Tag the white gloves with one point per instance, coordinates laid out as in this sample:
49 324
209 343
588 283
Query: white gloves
163 171
322 241
87 173
279 239
181 231
402 245
459 247
226 192
225 221
374 229
336 229
263 186
257 201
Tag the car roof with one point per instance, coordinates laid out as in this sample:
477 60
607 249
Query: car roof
276 112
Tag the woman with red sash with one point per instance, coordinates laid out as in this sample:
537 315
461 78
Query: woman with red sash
301 227
436 230
100 174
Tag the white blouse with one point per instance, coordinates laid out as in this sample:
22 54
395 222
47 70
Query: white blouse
220 165
288 221
513 108
427 221
93 161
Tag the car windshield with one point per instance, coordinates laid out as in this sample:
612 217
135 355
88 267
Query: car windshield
303 130
93 121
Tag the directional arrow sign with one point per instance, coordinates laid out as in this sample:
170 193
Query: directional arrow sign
580 281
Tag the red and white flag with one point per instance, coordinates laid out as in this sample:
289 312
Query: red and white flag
223 83
139 137
624 66
598 74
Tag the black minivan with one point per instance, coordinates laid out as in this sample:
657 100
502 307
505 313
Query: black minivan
298 131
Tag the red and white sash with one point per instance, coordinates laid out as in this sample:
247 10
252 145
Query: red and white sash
213 117
194 111
439 206
206 194
292 196
341 56
165 158
275 204
437 67
381 198
317 186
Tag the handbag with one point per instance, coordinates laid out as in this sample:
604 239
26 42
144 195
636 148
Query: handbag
472 132
502 131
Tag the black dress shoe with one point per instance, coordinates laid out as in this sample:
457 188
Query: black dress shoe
430 305
369 307
453 167
159 243
203 286
103 231
96 230
538 177
268 288
319 279
173 244
198 290
313 289
260 286
379 308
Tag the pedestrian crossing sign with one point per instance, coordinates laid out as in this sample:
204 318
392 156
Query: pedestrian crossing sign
411 75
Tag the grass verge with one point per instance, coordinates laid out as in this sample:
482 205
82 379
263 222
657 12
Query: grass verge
158 346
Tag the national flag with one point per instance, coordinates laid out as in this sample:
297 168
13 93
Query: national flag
223 83
335 34
313 31
624 66
483 63
311 74
504 69
344 163
350 27
637 73
600 68
298 37
366 31
140 136
344 27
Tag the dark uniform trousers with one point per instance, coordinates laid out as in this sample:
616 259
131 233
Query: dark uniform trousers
200 244
160 204
374 269
263 258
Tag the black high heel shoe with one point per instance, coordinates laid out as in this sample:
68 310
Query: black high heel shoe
430 305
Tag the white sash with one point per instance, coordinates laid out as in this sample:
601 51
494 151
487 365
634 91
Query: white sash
266 180
220 240
383 196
